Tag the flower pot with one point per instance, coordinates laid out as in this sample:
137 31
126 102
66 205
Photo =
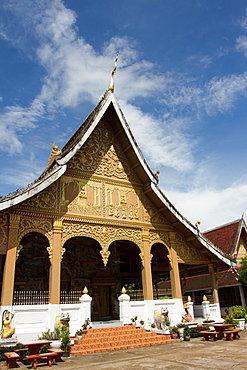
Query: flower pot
56 343
66 354
187 338
181 333
241 324
174 336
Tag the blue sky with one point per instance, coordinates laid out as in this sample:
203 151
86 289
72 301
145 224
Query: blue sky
181 82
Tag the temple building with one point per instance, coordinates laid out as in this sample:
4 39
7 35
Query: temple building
96 218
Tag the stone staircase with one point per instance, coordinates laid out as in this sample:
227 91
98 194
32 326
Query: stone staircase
114 338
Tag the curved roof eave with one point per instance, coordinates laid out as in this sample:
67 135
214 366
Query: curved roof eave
33 189
192 229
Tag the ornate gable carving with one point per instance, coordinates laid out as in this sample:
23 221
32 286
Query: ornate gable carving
45 201
102 155
186 253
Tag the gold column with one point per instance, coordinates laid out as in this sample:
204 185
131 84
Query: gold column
174 269
9 267
213 282
55 270
147 282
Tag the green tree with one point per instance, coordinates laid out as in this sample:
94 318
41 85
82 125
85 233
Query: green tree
242 272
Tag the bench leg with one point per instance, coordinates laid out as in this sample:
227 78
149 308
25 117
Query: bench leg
58 358
236 336
214 338
11 362
49 361
34 363
229 336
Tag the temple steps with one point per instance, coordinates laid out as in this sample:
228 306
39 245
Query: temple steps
115 338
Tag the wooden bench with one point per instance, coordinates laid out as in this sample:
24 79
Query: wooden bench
11 358
207 334
58 352
20 352
50 357
232 334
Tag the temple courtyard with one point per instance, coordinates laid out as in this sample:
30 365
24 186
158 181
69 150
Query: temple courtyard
195 354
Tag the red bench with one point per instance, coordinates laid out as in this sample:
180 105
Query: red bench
11 358
232 334
207 334
50 357
58 352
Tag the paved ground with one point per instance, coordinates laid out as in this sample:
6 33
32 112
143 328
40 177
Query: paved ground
193 355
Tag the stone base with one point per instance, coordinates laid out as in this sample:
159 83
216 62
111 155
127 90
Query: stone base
8 342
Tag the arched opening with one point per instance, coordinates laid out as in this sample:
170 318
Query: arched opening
82 266
160 270
32 270
125 264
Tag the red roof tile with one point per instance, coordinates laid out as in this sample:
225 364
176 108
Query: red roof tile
224 237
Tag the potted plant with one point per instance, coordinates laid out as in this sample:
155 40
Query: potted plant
187 333
79 333
229 319
65 340
133 319
239 312
141 324
53 336
153 327
174 332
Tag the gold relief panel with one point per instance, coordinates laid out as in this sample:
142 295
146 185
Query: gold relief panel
3 231
187 253
122 202
80 196
102 155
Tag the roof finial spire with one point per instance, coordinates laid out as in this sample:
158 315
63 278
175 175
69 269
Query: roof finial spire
111 86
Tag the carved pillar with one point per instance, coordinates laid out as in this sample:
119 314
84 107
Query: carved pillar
213 283
147 281
9 267
174 269
55 271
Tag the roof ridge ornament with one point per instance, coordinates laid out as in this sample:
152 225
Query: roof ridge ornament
111 86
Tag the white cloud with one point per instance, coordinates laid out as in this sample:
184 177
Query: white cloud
211 207
242 44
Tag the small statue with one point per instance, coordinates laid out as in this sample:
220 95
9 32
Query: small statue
7 331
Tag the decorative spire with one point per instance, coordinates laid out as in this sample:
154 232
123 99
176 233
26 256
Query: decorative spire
111 86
